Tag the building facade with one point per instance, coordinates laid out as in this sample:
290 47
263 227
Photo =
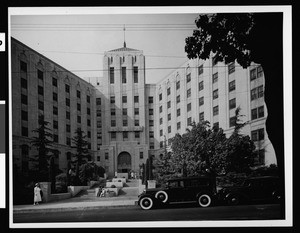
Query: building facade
125 119
42 87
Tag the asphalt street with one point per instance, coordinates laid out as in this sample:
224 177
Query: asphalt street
171 213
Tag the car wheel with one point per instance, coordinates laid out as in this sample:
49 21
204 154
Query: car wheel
146 203
161 196
204 200
233 200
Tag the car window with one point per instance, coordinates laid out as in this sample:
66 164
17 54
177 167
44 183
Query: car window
173 184
181 183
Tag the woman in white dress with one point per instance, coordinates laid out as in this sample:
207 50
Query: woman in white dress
37 194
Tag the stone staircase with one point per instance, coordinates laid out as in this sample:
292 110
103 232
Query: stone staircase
129 191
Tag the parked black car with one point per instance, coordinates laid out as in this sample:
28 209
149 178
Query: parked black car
200 189
265 188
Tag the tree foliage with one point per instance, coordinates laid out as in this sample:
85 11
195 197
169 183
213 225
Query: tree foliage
43 143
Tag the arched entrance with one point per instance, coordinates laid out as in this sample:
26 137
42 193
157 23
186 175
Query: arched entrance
124 162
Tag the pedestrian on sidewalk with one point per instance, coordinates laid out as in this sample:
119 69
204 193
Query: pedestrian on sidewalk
37 194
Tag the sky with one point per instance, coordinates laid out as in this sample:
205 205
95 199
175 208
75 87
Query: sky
78 42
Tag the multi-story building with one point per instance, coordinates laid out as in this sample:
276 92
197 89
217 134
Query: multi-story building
205 90
42 87
127 120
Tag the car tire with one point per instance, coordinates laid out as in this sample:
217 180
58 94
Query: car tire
233 200
146 203
204 200
162 196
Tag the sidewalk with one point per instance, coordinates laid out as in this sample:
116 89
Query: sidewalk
77 203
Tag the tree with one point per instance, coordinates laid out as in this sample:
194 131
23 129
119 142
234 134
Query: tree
248 38
82 153
42 143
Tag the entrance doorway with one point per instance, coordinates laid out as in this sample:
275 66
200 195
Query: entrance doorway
124 162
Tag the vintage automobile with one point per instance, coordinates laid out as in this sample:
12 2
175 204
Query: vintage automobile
265 188
201 190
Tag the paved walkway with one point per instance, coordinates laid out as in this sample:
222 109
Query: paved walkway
77 203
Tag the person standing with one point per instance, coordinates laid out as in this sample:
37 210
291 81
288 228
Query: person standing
37 194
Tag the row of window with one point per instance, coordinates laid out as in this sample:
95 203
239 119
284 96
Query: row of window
125 123
123 73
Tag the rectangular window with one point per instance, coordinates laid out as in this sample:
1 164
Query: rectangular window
98 124
23 83
151 134
177 85
231 68
214 61
88 99
201 101
54 96
136 111
88 122
161 132
54 82
232 86
254 94
169 104
215 77
68 102
151 123
178 112
24 115
78 94
259 72
178 125
112 100
55 124
189 107
41 105
68 140
98 158
113 136
258 135
125 122
160 96
40 90
111 75
24 99
254 114
201 116
88 111
135 74
67 88
113 123
232 103
55 138
141 155
216 125
232 121
99 135
24 131
169 116
169 91
98 101
188 93
178 99
215 94
252 74
151 145
189 121
261 112
150 111
260 91
68 128
124 111
40 74
23 66
160 109
136 99
98 112
123 74
201 86
160 120
169 129
78 107
113 112
188 78
136 135
79 119
200 70
125 135
68 115
161 144
150 100
136 122
215 110
106 155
